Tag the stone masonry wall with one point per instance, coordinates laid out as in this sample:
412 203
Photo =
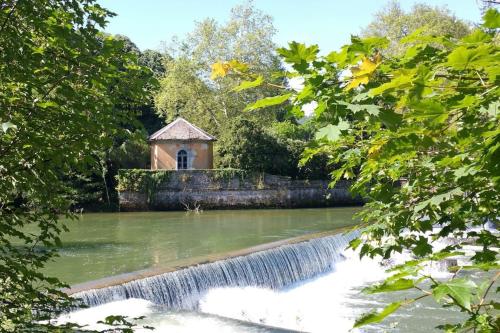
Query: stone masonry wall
223 189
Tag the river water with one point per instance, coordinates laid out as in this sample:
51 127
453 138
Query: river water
101 245
105 244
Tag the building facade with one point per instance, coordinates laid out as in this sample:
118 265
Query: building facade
181 146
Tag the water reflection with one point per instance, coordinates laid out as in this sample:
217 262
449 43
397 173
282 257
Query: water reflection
100 245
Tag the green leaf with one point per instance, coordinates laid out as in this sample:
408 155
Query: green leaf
460 290
438 199
429 111
402 79
464 172
268 101
493 109
249 84
332 132
7 125
386 286
305 93
390 119
47 104
375 317
461 57
370 108
491 19
299 54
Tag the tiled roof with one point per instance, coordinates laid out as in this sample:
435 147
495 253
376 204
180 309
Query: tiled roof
181 129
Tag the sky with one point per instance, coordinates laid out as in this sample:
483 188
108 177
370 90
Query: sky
328 23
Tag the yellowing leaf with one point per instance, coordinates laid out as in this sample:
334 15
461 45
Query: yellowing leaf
367 66
361 74
220 69
356 82
377 145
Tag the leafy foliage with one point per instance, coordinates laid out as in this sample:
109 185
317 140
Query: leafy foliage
62 83
276 150
418 132
187 90
393 23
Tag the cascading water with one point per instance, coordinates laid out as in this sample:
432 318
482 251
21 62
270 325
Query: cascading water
275 269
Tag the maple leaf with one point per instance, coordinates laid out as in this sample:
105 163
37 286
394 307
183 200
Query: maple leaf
220 69
361 74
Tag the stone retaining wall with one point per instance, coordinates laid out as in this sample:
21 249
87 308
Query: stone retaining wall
223 189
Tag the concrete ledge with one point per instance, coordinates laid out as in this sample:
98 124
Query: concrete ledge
185 263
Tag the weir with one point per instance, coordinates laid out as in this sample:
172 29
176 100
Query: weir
274 268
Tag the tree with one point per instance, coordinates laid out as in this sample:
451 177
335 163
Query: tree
186 89
62 81
276 149
246 145
419 135
394 23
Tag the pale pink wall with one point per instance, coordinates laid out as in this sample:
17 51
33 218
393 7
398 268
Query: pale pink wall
164 154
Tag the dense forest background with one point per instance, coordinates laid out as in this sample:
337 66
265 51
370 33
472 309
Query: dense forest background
271 140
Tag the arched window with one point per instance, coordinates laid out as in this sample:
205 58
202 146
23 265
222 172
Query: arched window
182 160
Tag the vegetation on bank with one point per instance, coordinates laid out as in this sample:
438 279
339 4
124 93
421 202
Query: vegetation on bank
67 92
425 110
76 106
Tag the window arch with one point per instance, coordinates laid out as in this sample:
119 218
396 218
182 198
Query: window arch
182 160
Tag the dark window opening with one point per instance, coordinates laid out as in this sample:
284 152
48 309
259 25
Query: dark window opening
182 160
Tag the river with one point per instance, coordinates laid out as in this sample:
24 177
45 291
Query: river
101 245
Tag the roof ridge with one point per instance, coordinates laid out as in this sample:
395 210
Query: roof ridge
199 129
203 135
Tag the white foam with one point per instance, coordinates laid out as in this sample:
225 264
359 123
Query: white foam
131 308
315 306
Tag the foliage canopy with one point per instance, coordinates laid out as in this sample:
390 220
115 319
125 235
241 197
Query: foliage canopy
62 82
419 135
186 89
395 24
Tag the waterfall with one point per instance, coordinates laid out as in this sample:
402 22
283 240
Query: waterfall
274 268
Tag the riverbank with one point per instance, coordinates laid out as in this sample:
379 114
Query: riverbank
142 190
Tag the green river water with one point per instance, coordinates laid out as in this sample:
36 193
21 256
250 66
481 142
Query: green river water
100 245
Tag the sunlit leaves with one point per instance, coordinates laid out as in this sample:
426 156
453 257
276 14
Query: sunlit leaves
428 111
268 101
249 84
386 286
437 199
463 57
492 19
419 135
376 317
371 109
402 78
8 125
299 55
221 69
332 132
459 290
361 73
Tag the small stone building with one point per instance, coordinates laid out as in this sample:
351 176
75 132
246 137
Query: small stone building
181 145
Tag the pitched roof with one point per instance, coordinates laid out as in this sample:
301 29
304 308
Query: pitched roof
181 129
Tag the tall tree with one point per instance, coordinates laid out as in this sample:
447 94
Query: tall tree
394 23
419 135
60 86
186 89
